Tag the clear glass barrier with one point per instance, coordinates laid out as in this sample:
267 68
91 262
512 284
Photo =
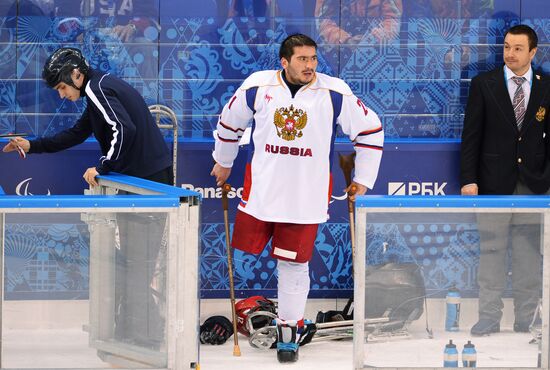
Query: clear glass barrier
85 290
436 277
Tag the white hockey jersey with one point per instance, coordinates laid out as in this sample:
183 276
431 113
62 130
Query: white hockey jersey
288 176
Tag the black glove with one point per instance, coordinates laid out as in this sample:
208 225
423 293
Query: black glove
329 316
307 335
216 330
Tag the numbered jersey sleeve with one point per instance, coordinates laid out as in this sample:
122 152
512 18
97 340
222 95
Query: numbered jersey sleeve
232 122
364 129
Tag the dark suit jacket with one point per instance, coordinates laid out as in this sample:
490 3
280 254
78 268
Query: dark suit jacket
493 152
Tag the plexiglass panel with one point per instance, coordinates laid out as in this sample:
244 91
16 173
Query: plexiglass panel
85 290
443 280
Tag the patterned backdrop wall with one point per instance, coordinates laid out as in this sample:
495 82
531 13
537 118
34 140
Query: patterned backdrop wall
411 61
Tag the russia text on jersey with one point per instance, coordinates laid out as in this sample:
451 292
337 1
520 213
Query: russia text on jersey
276 149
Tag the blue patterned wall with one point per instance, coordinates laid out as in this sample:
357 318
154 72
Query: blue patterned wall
447 252
409 60
45 260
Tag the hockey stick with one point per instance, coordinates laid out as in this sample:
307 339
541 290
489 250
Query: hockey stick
351 211
263 338
225 189
14 135
347 163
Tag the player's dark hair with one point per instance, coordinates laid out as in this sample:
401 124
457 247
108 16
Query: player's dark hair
60 65
522 29
287 46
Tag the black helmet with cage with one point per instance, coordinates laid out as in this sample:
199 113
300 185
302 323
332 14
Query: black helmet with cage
60 65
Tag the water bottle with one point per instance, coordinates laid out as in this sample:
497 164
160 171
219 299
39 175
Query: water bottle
450 356
469 355
453 310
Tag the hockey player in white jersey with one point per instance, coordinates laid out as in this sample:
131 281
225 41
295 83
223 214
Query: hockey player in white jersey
294 113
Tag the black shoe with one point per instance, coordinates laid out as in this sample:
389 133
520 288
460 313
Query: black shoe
307 333
287 352
521 327
329 316
287 346
525 326
485 327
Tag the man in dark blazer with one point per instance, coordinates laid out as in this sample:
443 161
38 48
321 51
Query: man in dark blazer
506 150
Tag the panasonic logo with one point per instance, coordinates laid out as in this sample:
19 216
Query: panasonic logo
416 188
212 193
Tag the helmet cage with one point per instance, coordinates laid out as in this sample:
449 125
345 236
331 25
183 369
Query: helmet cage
258 320
254 313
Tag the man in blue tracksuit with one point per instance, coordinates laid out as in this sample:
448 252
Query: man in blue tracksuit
131 144
116 115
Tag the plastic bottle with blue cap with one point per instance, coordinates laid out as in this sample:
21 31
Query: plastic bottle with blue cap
450 355
452 317
469 355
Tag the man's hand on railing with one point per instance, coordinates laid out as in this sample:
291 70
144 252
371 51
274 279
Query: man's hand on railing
470 189
90 175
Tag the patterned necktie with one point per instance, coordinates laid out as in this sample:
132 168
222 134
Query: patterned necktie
519 101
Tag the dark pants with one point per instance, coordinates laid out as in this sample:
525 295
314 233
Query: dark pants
138 318
521 232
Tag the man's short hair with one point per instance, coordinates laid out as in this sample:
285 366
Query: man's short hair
287 46
522 29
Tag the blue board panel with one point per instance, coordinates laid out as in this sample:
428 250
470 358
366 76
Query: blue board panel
7 9
422 168
536 9
7 125
8 58
7 96
34 96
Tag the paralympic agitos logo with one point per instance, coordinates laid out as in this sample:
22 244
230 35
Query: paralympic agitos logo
23 188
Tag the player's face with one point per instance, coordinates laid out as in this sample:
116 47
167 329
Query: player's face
517 55
70 92
300 70
67 92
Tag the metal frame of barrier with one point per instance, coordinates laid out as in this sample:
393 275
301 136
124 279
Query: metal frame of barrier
182 288
448 204
161 114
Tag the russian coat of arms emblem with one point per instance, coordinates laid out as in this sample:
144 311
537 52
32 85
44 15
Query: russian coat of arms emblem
290 122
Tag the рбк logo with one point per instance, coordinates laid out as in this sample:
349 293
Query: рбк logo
416 188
